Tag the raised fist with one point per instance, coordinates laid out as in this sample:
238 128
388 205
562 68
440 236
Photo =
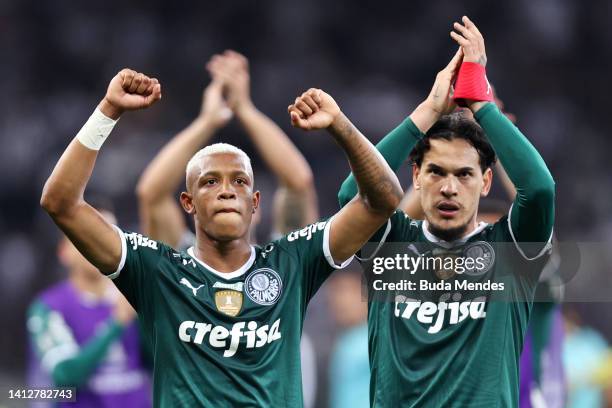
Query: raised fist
314 109
129 90
470 40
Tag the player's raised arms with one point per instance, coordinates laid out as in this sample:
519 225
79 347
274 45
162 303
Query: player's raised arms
379 190
396 146
62 195
161 217
533 211
295 201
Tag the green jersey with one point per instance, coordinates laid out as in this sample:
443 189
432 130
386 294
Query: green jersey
463 352
437 349
225 339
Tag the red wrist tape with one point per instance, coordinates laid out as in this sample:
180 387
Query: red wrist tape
472 84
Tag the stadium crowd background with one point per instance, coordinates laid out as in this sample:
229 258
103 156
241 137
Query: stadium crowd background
549 60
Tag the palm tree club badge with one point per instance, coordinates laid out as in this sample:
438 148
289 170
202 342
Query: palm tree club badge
263 286
229 300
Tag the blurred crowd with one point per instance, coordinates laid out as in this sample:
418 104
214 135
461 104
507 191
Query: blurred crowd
549 60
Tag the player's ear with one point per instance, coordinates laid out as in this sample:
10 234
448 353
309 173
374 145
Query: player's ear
487 178
187 203
415 175
256 198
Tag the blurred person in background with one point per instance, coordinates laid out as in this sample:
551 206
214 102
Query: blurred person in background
349 369
588 362
295 201
83 334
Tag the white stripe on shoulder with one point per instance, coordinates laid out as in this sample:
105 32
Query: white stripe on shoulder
545 249
123 253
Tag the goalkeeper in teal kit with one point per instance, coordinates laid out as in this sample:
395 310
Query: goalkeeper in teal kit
453 350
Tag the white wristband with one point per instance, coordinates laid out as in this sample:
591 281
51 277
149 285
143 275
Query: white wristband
95 131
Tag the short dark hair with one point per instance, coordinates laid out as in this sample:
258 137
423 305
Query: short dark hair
456 126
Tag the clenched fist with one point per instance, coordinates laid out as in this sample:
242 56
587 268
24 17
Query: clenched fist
314 109
129 90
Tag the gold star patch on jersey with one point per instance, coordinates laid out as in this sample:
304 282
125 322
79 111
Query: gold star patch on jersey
228 302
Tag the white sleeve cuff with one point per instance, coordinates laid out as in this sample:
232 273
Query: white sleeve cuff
327 252
380 244
123 254
544 250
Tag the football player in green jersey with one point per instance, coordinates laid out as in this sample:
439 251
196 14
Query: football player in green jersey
446 348
224 319
294 205
295 202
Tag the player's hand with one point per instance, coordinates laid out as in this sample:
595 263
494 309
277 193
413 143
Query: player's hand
232 70
314 109
470 40
214 108
129 90
123 312
440 99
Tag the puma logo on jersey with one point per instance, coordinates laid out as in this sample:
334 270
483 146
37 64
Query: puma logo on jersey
306 231
189 262
435 313
255 336
185 282
136 240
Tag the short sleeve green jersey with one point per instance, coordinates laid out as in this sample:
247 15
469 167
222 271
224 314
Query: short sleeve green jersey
225 339
437 349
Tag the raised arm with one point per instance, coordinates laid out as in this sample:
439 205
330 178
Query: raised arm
397 145
379 190
62 195
161 217
280 154
533 210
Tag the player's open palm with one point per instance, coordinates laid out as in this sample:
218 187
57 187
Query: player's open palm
440 98
214 107
471 40
232 69
314 109
131 90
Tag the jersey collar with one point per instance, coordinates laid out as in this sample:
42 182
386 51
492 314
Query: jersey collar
449 244
226 275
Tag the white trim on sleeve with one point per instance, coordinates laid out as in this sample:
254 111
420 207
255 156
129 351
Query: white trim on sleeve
380 244
327 252
546 248
123 254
